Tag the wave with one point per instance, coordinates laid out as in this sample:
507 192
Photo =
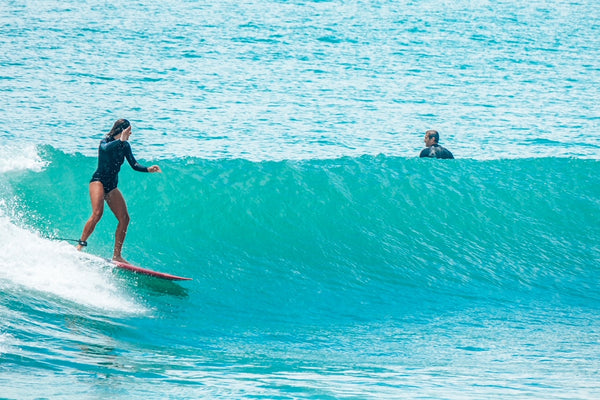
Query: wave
20 158
334 233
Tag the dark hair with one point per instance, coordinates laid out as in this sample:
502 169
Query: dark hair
433 134
119 126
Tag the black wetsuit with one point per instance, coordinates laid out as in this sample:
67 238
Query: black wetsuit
436 151
111 155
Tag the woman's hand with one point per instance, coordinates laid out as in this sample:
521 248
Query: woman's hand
154 168
125 134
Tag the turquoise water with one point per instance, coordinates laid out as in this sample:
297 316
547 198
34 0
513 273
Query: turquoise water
304 79
328 261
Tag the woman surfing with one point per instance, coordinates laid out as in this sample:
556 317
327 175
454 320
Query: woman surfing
113 151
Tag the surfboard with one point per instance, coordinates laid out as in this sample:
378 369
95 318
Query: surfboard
149 272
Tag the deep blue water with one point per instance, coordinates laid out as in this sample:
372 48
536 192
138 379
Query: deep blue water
328 261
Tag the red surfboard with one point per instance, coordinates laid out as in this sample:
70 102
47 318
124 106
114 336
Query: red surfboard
148 272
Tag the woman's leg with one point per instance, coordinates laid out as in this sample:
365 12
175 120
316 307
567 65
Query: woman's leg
97 197
117 204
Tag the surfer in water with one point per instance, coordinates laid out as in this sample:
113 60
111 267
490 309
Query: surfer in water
113 151
433 149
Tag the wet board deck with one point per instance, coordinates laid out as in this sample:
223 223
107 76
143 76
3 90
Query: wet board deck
149 272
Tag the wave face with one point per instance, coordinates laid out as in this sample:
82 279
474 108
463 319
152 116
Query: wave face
360 249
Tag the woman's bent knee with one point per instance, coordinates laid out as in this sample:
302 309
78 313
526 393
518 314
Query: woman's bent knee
96 216
124 219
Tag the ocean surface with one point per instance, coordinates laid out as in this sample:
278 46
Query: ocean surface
328 260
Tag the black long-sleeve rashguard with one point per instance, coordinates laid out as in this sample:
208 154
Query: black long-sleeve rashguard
111 155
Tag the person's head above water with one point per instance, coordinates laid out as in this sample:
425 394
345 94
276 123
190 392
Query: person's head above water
119 126
431 137
432 148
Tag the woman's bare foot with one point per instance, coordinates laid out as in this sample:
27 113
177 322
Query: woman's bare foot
120 259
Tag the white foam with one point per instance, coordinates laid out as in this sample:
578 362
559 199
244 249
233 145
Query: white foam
57 268
23 157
